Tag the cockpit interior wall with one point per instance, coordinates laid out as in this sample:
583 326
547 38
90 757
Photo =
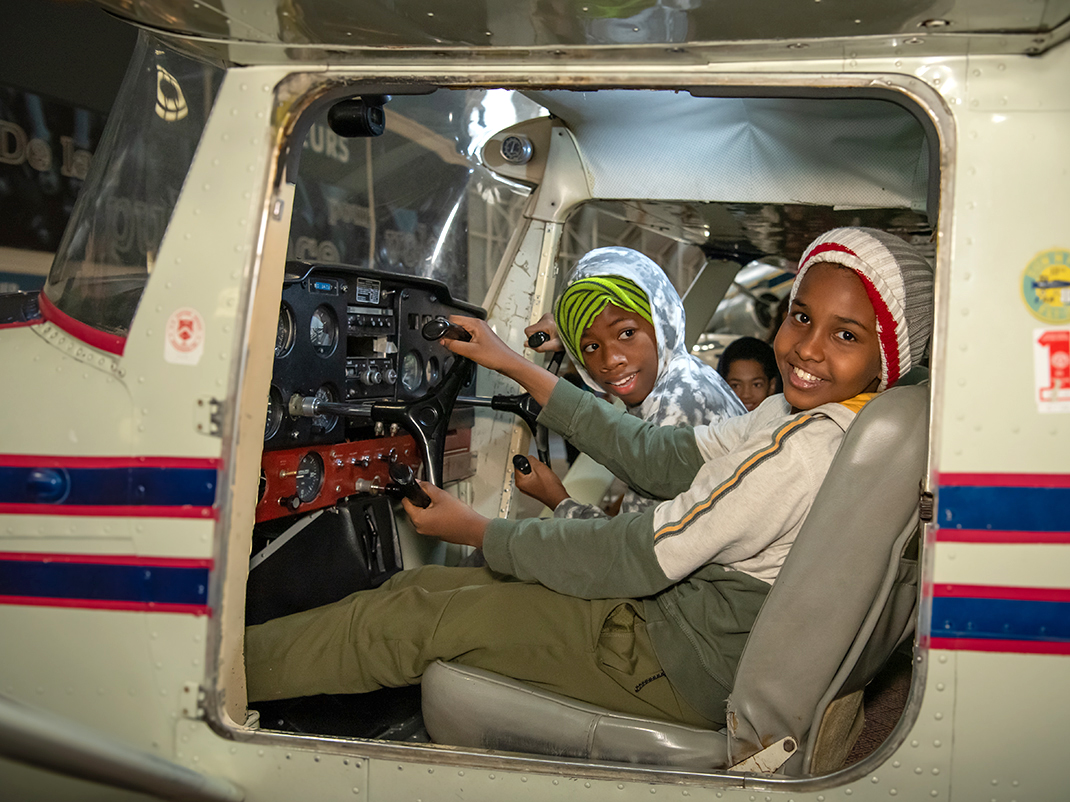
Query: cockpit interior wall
842 152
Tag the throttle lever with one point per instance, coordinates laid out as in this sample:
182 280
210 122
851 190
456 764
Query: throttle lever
439 327
554 363
402 475
521 464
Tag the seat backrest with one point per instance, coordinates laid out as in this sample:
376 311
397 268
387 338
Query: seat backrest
843 601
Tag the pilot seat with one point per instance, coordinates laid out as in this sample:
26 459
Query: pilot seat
843 602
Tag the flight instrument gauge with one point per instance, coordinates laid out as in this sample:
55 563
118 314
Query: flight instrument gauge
284 338
274 413
323 331
309 477
432 372
324 422
411 371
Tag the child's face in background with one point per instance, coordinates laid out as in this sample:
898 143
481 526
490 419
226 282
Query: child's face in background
620 352
747 379
827 348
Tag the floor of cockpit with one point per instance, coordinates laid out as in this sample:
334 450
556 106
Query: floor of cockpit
390 714
884 700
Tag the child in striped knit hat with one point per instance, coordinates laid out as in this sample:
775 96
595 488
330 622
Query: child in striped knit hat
645 613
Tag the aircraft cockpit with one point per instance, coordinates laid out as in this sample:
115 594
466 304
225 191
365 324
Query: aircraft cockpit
357 393
512 187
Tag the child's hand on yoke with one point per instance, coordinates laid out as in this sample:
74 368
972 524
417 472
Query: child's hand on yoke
487 349
541 484
447 518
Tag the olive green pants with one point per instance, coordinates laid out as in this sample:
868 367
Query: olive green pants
597 651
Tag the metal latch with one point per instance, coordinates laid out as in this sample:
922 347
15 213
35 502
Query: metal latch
193 698
208 416
926 506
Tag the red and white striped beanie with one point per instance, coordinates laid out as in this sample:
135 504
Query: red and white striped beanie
899 283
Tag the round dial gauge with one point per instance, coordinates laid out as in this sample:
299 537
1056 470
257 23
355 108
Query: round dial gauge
432 372
284 338
411 371
309 477
324 422
274 413
323 331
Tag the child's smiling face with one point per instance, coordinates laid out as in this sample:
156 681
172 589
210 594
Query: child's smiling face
827 348
620 352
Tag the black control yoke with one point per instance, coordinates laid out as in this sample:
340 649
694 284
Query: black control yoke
542 436
523 406
427 418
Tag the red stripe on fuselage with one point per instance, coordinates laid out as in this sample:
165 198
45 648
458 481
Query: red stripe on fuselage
997 645
63 461
999 536
954 591
107 559
98 604
110 511
1054 480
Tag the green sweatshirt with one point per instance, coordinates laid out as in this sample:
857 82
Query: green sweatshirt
702 563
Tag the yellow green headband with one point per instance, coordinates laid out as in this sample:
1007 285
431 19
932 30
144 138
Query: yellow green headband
583 300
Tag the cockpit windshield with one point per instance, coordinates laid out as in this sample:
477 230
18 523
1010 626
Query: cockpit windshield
415 199
109 248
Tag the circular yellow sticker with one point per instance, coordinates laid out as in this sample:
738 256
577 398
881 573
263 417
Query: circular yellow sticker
1046 286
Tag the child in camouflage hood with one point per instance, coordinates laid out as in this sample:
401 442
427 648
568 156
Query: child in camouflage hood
622 322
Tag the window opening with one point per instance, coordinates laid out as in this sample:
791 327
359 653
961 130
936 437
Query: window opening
375 221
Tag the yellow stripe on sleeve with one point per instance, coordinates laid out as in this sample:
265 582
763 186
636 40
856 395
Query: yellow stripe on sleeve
748 465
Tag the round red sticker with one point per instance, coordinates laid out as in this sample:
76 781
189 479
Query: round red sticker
185 336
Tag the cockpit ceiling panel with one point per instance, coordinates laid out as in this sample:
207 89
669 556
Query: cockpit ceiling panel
304 26
843 152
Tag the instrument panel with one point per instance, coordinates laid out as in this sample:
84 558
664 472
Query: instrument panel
352 335
303 479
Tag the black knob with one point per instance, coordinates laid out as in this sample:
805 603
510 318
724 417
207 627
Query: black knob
537 339
520 463
439 327
402 475
290 502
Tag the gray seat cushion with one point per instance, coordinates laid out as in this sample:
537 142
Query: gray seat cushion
471 707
